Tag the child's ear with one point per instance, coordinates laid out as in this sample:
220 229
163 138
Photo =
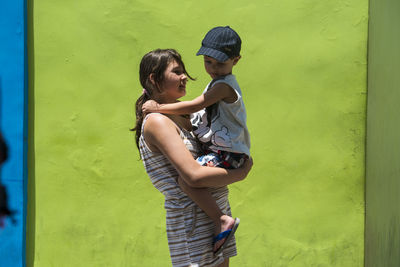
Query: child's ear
236 59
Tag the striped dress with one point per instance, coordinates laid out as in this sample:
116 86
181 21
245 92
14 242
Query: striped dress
189 229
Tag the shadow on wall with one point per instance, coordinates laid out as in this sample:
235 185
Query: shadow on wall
31 184
4 210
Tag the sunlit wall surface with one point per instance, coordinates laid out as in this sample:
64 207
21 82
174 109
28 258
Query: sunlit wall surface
303 76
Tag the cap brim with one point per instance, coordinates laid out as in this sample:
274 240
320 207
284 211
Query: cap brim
219 56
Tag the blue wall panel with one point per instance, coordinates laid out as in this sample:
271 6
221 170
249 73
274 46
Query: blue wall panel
13 101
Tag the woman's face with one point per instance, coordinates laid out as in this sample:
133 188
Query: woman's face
174 84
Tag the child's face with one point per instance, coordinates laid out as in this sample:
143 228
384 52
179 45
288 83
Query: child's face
216 69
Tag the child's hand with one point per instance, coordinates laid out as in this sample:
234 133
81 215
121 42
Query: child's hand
150 106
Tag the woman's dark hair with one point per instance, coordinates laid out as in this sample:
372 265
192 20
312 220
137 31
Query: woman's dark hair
154 62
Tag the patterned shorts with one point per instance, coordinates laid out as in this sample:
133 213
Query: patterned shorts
222 159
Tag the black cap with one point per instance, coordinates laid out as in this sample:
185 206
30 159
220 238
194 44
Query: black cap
221 43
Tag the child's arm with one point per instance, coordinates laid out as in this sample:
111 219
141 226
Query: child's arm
168 142
218 92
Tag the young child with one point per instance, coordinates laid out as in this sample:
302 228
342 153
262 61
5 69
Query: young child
219 122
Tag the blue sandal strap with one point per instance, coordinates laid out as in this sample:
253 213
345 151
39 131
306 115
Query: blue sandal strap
221 235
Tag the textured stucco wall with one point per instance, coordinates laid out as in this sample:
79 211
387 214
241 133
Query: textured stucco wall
303 74
382 246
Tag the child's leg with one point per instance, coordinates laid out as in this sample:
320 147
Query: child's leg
203 198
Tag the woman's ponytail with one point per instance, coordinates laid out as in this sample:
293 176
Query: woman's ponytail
139 116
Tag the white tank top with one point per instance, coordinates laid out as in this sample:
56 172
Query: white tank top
222 126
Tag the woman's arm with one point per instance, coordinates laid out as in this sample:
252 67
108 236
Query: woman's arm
169 142
220 91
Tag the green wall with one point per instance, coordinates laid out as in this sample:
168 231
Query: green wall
303 74
382 246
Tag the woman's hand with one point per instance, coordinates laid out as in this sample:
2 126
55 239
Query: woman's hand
150 106
247 165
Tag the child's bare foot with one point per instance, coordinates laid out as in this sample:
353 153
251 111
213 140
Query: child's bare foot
226 223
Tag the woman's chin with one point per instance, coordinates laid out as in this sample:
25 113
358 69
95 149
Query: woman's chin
182 92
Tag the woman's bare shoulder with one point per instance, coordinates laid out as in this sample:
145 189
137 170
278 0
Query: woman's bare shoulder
157 120
157 123
159 129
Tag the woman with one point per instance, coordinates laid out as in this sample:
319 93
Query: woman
168 148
